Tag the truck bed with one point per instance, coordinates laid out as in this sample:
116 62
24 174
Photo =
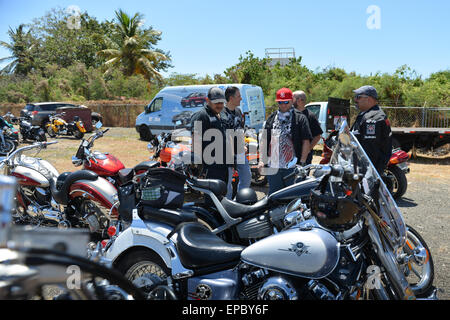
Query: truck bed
420 130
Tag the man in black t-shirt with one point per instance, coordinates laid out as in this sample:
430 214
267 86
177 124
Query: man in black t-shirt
299 98
234 123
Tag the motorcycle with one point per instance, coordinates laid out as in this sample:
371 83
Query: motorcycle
394 173
9 137
58 126
72 199
353 248
105 164
31 259
28 131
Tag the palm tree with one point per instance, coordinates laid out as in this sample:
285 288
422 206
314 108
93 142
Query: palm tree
21 47
130 48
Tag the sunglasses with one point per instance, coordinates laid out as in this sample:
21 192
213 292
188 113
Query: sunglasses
283 102
358 96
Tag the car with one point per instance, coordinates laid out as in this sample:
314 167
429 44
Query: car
173 106
193 100
39 112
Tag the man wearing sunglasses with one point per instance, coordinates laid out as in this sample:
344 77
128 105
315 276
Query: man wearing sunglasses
285 136
372 127
314 125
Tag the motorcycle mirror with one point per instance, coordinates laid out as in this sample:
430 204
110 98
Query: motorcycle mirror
151 147
98 125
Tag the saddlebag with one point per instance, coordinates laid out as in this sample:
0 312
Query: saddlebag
162 188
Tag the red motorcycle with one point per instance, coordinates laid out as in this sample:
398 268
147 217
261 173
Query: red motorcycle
394 173
71 199
105 164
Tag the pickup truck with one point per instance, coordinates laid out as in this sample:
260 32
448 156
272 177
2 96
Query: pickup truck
406 138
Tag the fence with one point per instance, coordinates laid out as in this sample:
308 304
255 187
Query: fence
414 117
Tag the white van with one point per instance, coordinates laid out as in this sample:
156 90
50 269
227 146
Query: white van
173 108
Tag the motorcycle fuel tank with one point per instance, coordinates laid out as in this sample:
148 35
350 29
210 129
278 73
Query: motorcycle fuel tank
34 172
107 164
312 254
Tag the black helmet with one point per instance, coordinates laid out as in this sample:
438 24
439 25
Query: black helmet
246 196
337 213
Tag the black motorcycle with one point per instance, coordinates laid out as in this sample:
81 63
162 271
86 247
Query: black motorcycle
28 131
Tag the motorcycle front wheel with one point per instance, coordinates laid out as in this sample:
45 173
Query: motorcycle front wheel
419 270
50 132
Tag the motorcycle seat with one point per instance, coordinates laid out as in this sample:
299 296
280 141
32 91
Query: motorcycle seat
60 186
199 248
171 217
218 187
237 210
125 175
145 165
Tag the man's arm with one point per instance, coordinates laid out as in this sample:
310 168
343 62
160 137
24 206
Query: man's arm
305 150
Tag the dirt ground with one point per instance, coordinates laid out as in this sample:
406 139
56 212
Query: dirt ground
425 206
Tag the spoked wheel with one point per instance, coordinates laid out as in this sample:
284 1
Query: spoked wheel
144 269
419 270
397 181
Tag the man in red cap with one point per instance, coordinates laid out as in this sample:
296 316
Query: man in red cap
285 136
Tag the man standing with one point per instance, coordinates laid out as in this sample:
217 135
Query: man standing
208 120
372 128
299 98
234 123
285 135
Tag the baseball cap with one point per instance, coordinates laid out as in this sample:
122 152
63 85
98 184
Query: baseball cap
368 91
216 95
284 94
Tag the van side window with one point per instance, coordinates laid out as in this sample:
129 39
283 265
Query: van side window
155 106
315 109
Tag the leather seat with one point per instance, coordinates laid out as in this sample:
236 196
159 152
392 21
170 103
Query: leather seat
237 210
199 248
125 175
171 217
145 165
218 187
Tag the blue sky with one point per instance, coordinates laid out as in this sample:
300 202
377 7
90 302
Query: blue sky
209 36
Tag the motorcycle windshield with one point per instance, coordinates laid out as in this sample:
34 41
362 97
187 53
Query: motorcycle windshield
349 152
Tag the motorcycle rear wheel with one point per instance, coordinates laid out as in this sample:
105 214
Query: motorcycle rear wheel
399 182
144 269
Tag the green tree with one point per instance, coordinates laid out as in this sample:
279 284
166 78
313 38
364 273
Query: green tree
131 48
22 47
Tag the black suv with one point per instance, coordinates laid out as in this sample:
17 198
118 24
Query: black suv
40 112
